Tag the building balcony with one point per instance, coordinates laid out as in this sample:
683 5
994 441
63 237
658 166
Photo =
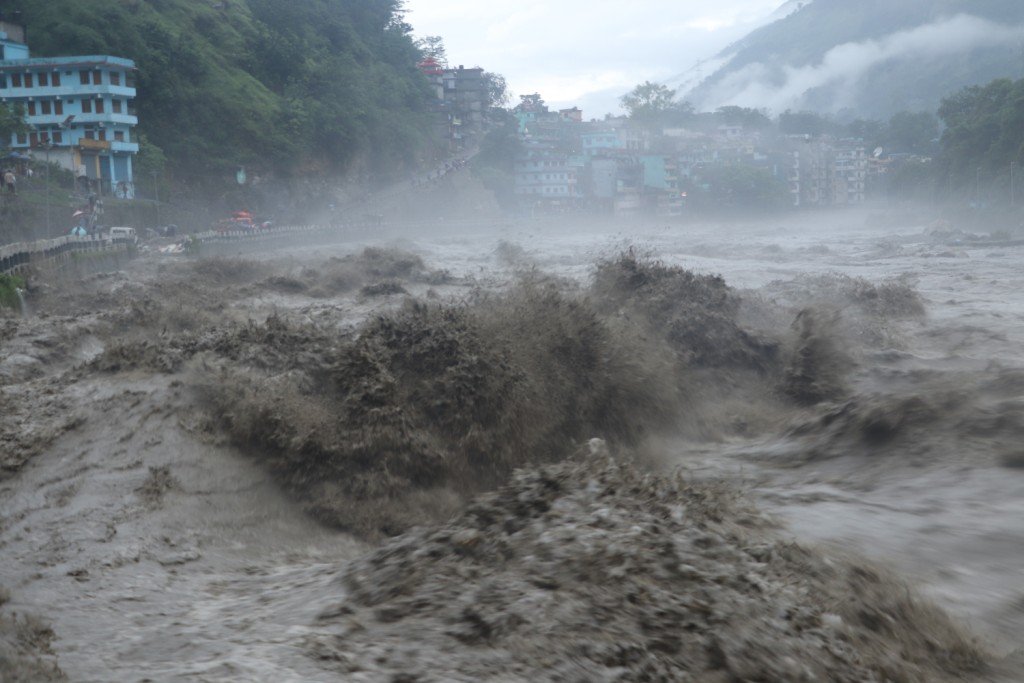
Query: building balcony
65 90
81 143
58 119
108 117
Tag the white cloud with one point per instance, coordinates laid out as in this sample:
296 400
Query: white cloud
584 50
759 85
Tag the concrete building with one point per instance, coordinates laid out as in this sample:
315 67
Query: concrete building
849 176
661 184
462 100
545 174
79 110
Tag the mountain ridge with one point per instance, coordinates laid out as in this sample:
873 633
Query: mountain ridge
868 58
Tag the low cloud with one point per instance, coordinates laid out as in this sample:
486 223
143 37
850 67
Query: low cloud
783 87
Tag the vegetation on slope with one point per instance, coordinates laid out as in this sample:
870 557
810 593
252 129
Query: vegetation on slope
283 86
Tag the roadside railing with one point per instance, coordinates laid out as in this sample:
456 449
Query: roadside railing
20 257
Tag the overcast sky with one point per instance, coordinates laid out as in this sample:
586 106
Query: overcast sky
585 52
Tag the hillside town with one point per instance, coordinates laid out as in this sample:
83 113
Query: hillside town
618 166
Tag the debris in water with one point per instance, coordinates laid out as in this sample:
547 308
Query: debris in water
596 571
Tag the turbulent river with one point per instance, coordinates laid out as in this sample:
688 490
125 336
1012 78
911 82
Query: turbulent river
156 514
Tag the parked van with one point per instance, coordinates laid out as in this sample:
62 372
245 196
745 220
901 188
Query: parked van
123 234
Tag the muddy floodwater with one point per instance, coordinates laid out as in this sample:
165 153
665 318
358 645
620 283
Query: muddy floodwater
191 487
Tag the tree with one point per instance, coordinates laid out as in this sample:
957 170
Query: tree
805 123
284 87
751 119
12 120
914 132
872 132
984 135
649 102
497 89
738 188
494 165
532 102
433 46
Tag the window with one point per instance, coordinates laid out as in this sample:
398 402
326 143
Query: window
97 78
15 80
99 106
58 108
46 107
90 134
116 106
22 138
115 78
28 80
33 139
3 81
86 106
119 135
44 137
44 79
56 79
31 108
58 137
103 134
83 77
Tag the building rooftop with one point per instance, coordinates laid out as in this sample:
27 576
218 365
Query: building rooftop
79 60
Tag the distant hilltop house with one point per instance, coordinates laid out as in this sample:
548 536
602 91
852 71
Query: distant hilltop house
78 110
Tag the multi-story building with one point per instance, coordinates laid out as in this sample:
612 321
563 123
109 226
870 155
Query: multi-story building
850 170
462 100
542 173
661 184
78 110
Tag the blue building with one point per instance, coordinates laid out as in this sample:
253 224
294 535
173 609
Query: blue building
79 110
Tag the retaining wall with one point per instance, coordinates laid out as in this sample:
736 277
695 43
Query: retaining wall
57 253
21 257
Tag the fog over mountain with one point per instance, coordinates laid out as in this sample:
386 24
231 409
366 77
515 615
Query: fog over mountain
866 58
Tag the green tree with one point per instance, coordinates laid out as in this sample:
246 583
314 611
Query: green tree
736 187
750 119
494 163
12 120
649 103
984 135
433 46
805 123
914 132
284 87
497 89
872 132
531 102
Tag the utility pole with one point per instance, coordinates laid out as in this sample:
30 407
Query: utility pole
156 193
46 145
1013 188
48 229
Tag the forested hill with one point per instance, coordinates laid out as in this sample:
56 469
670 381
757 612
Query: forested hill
870 57
282 85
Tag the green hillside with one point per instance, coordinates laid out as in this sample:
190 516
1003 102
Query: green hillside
308 85
917 79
